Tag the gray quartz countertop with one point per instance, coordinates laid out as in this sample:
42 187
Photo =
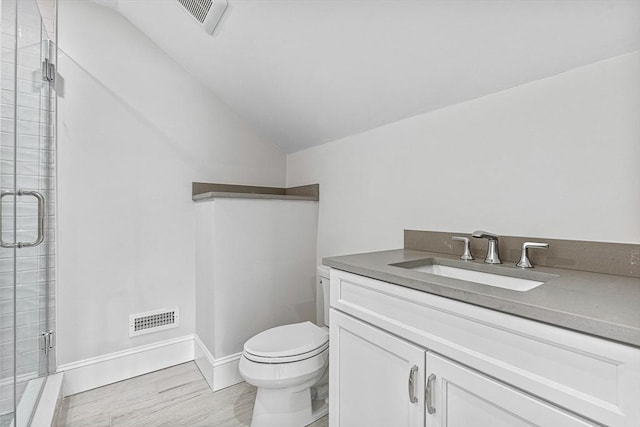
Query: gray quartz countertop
603 305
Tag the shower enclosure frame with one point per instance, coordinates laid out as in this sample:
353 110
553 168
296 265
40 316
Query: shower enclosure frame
27 205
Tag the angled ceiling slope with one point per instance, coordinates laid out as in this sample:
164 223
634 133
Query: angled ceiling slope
306 72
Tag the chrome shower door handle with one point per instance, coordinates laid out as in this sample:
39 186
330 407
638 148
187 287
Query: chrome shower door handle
412 384
41 205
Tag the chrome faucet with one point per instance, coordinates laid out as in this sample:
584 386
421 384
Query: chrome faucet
493 256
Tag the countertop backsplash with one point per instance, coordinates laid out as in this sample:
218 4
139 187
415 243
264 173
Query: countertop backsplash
599 257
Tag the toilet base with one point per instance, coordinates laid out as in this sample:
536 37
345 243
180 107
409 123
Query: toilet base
286 408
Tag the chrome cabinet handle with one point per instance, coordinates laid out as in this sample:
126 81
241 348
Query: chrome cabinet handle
41 204
412 384
429 394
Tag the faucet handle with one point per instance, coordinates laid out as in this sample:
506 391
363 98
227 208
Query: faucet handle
524 255
466 256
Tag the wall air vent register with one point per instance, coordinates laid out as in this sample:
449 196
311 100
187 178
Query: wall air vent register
153 321
206 12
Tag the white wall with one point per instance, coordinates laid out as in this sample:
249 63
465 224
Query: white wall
256 268
558 157
134 131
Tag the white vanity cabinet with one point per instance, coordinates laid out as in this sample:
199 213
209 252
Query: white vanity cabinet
380 377
390 345
462 397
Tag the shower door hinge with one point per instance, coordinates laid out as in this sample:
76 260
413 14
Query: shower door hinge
48 341
48 70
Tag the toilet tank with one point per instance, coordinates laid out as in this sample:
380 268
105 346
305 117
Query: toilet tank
322 296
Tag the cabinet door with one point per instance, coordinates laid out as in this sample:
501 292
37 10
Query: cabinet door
463 397
376 379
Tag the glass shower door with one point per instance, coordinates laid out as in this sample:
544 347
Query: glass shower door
27 180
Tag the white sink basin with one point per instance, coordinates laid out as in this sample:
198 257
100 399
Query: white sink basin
497 280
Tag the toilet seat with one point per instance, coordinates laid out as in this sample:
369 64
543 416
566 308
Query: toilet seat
286 344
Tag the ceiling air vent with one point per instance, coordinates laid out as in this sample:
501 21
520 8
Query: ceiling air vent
206 12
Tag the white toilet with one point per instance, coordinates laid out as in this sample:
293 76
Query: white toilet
289 366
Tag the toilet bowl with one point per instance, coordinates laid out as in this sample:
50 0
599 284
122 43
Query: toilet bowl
289 366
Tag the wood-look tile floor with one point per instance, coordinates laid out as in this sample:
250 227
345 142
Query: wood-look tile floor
176 396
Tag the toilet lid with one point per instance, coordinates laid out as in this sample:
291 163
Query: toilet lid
294 341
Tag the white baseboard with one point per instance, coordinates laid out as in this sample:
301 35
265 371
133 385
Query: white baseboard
8 382
219 373
98 371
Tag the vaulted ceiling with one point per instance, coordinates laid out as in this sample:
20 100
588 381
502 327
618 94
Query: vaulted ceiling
306 72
